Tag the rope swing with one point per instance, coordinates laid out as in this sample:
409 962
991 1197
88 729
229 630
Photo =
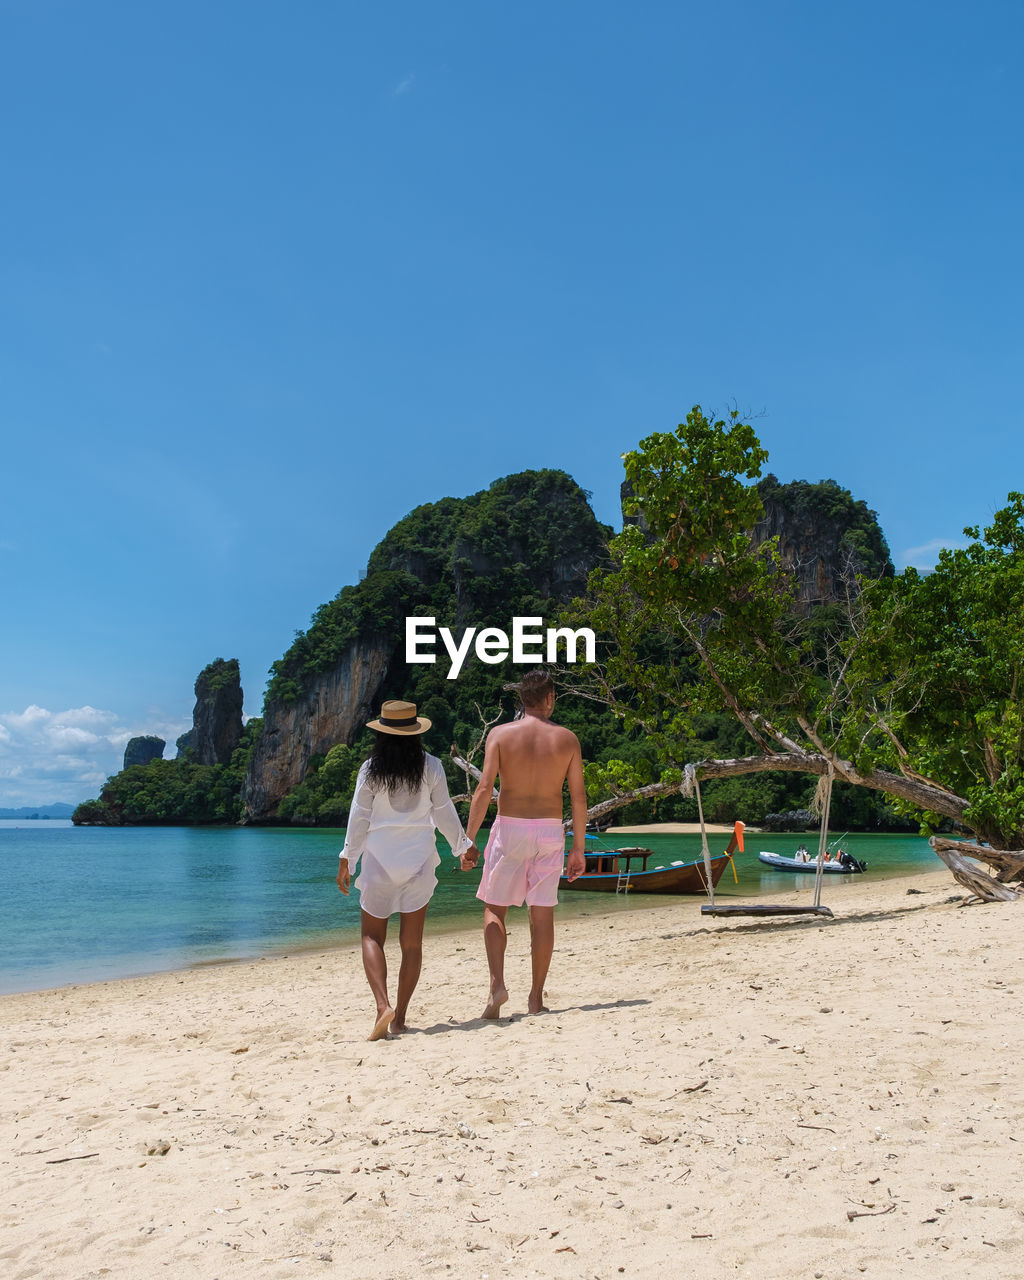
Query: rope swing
823 803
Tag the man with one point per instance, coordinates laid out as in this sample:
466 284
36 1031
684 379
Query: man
523 860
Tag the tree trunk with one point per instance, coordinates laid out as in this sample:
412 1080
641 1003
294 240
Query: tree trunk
924 795
649 792
970 875
1009 863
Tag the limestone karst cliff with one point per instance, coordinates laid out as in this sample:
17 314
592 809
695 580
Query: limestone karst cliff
203 784
217 715
143 749
524 546
332 707
825 537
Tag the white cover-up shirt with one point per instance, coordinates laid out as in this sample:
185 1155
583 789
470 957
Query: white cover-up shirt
397 828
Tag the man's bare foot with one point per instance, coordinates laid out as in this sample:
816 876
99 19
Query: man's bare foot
398 1026
380 1027
498 997
535 1005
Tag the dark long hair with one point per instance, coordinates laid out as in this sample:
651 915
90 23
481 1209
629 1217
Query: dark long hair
397 760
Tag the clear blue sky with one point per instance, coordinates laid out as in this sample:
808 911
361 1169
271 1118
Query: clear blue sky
273 274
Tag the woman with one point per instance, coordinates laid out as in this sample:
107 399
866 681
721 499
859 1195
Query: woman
401 796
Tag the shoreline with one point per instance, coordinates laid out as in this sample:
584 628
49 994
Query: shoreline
232 1120
570 905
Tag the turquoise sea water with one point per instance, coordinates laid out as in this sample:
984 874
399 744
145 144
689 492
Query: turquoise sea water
82 904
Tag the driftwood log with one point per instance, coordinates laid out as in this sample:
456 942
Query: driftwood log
955 854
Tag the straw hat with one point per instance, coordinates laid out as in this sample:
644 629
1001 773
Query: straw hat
399 717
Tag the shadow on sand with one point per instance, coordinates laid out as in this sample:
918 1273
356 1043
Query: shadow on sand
474 1024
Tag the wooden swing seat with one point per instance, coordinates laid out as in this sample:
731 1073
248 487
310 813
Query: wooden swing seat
763 909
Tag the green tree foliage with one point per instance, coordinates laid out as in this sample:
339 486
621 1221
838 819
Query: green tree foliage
173 792
936 675
692 605
325 794
219 674
515 548
910 690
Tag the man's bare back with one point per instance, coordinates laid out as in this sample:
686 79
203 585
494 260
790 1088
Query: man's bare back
533 757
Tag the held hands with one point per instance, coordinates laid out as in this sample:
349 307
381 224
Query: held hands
576 864
344 879
470 857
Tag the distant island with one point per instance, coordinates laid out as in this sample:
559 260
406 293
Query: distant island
40 811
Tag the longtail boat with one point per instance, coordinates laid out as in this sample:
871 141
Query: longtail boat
626 870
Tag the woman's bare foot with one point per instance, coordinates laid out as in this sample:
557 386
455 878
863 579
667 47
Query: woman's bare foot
536 1004
380 1028
398 1026
498 997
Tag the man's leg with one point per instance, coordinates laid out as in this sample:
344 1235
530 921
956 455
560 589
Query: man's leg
410 939
495 938
374 933
542 945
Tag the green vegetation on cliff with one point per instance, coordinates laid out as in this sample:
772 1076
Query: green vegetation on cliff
523 546
173 792
812 508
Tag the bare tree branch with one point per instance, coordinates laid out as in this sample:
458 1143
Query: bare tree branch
904 756
469 770
464 761
922 794
733 702
1009 863
970 875
778 735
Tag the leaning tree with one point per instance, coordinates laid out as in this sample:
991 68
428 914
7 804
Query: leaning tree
916 693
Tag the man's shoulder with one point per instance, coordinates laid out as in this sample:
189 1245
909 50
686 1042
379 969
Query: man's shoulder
567 735
529 727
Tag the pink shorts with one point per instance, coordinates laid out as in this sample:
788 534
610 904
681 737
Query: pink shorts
523 860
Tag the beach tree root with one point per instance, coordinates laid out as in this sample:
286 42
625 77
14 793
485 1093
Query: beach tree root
971 876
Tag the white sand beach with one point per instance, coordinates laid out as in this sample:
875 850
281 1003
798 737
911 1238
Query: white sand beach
785 1098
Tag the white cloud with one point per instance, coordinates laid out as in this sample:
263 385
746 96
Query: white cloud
926 556
405 86
49 756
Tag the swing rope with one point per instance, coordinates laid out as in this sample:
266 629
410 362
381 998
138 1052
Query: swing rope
826 804
704 842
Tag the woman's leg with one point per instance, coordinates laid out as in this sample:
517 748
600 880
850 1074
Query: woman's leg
374 932
410 939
